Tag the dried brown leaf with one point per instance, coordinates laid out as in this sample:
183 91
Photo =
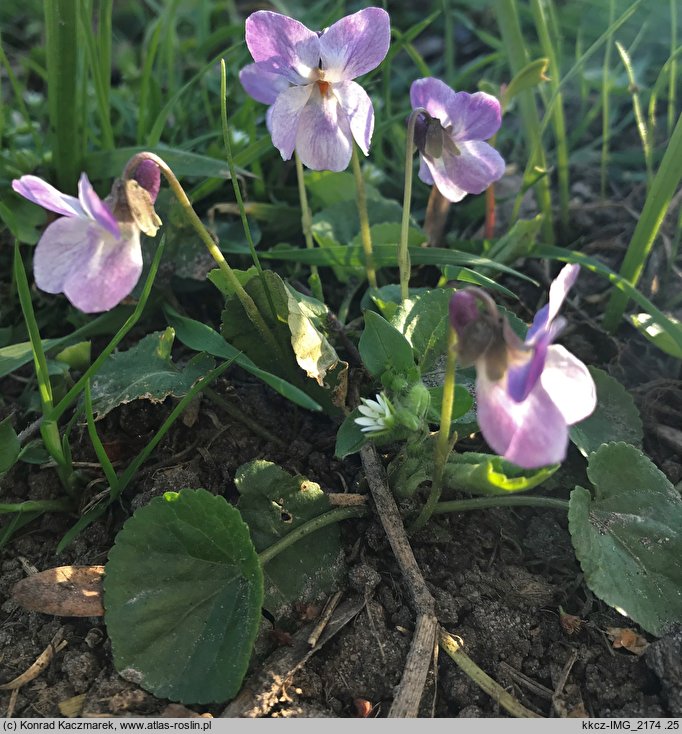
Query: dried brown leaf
65 591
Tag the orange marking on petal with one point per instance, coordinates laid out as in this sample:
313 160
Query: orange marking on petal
325 88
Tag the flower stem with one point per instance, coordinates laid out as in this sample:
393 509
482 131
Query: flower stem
365 234
49 429
443 446
36 506
328 518
307 224
453 647
245 299
403 253
481 503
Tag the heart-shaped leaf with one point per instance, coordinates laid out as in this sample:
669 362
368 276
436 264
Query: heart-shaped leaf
273 504
615 418
628 537
145 371
383 348
183 592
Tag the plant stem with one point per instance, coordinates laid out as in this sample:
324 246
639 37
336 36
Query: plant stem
365 233
605 113
36 506
642 128
453 647
109 471
655 207
245 299
481 503
542 27
48 428
311 526
672 79
61 45
512 37
403 252
443 446
307 224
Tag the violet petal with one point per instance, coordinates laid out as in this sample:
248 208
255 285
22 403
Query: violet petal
424 172
569 384
324 140
148 175
434 96
442 179
357 105
264 86
95 208
355 44
474 116
558 291
285 118
43 194
283 45
530 434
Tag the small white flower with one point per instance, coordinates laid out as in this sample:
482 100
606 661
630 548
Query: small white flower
377 415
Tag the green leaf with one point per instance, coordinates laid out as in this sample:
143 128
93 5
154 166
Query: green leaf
383 348
615 418
528 77
628 538
109 163
327 188
76 356
349 438
145 371
518 242
273 503
202 338
483 474
293 330
9 445
461 405
647 327
220 281
183 592
424 320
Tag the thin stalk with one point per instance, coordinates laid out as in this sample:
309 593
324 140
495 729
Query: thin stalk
61 44
238 195
307 225
151 49
245 299
75 391
48 427
311 526
655 207
443 444
542 28
481 503
453 647
109 471
639 116
36 506
449 42
96 57
605 100
403 252
510 29
365 233
672 79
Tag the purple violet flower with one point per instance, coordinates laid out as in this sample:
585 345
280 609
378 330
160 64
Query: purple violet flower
528 392
89 254
450 138
306 77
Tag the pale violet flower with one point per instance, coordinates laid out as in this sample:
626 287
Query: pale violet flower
450 138
90 254
376 415
529 392
306 77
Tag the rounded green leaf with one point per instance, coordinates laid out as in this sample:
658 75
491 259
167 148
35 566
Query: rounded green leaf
615 418
628 538
383 348
183 592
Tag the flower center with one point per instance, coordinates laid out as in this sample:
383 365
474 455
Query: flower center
325 88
